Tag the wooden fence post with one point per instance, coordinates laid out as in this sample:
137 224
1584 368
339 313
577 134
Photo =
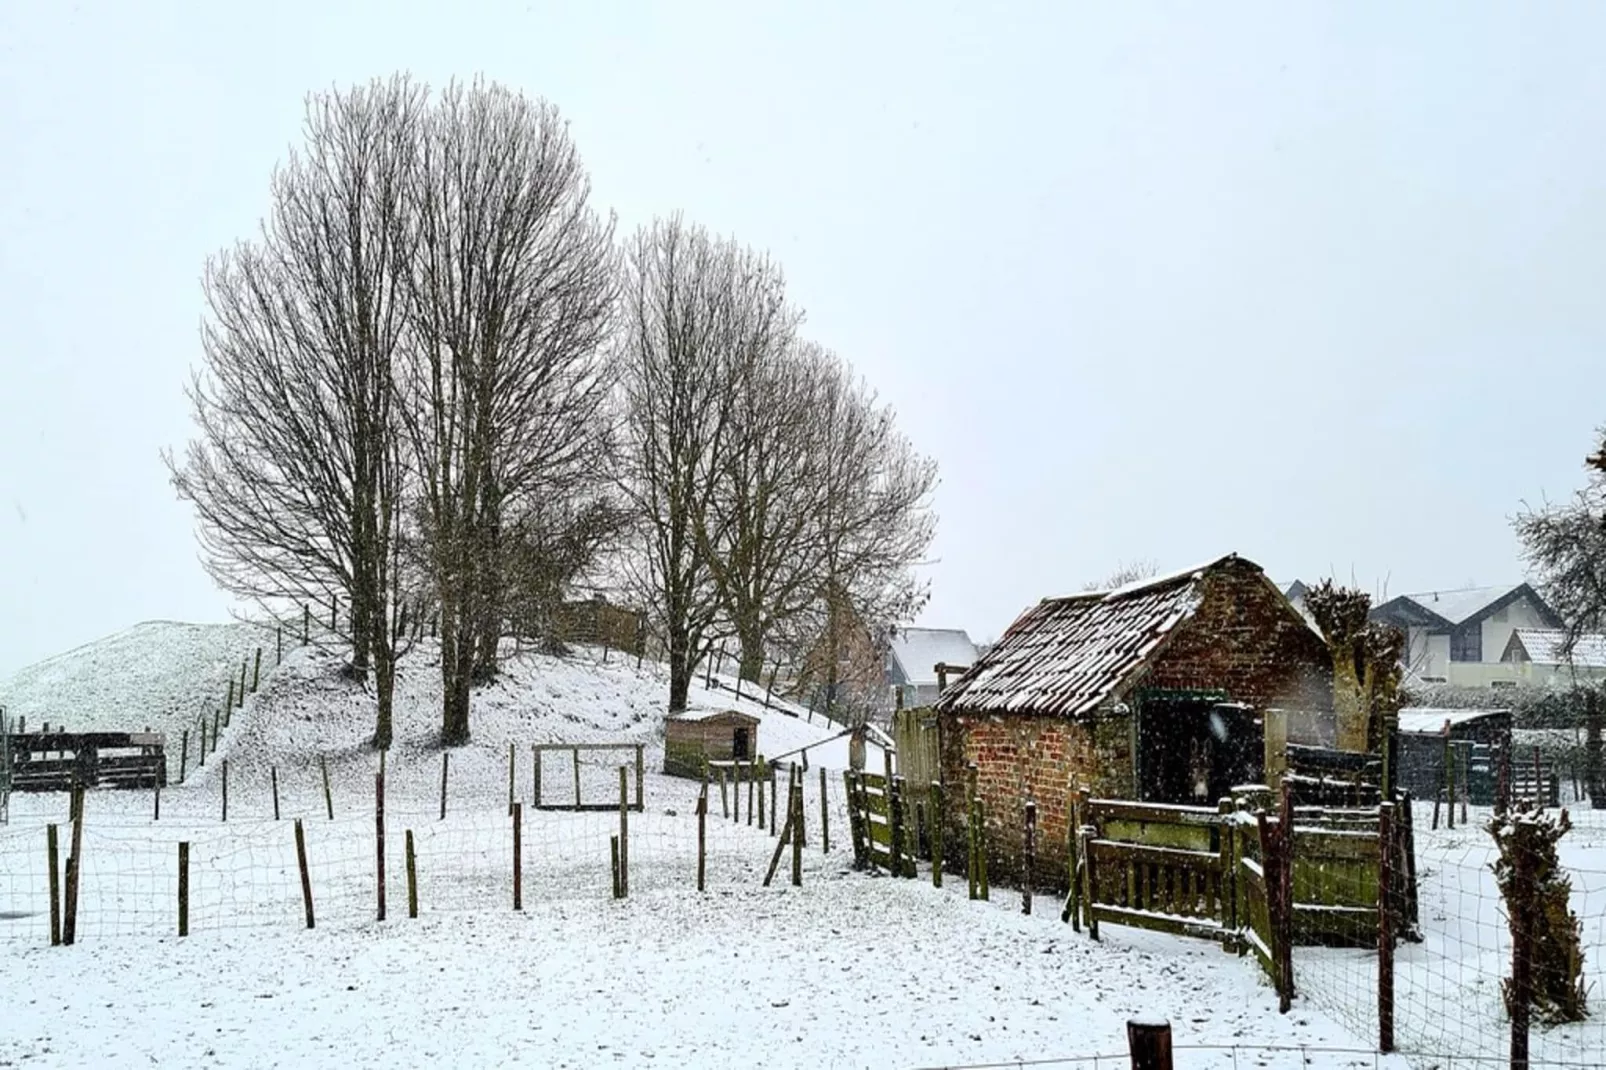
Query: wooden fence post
574 752
53 857
75 863
938 818
512 766
1149 1043
724 796
156 798
183 888
201 762
613 847
1449 778
273 778
641 774
412 878
1520 1003
761 799
379 840
1072 911
306 876
225 789
774 812
306 624
183 753
895 815
1031 858
796 821
825 814
256 672
278 645
228 705
1227 898
328 795
1385 928
702 835
752 786
446 760
624 832
535 776
518 856
856 829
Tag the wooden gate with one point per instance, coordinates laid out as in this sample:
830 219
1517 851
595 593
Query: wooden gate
914 737
877 820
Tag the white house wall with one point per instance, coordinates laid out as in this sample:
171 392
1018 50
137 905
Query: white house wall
1499 625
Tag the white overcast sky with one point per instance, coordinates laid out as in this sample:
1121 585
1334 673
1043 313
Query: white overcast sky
1317 283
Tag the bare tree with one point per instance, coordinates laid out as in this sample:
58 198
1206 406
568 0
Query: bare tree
512 290
1125 573
1565 547
296 476
699 312
877 522
761 532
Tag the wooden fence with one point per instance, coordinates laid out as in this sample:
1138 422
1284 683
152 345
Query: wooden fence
541 799
61 761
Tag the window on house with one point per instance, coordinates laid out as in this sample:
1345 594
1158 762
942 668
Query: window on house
1503 685
1467 644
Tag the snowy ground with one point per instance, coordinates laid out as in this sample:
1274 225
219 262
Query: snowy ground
847 970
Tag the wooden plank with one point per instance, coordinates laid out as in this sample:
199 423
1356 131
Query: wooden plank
1205 861
1100 810
1159 834
1159 922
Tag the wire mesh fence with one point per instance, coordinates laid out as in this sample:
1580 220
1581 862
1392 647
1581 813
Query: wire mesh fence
1455 960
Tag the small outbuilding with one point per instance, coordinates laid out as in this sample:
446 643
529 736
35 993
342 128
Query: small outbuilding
1478 736
693 737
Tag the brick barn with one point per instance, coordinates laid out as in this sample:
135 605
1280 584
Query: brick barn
1148 692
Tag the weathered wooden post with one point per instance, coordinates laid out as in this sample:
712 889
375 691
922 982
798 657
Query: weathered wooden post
379 841
53 858
306 877
273 778
939 815
512 766
613 847
796 821
156 798
1149 1043
624 832
1227 896
724 796
518 856
412 878
183 888
641 773
183 753
1276 747
228 705
256 672
825 814
575 753
1030 861
895 814
225 789
75 862
446 760
1385 928
306 624
278 645
702 835
328 795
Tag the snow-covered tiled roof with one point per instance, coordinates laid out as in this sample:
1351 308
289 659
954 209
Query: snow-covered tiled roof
712 714
920 650
1546 646
1066 655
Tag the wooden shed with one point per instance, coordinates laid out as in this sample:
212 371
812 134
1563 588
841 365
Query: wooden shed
693 737
1478 736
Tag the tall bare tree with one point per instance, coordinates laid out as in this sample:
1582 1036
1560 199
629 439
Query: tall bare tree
698 312
295 475
511 292
1565 547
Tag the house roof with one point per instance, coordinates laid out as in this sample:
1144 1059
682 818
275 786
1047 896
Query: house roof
1067 655
919 650
1547 646
1450 609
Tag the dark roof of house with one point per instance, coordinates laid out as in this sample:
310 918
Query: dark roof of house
1065 656
1458 608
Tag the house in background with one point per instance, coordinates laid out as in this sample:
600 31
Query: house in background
1539 655
913 655
1460 637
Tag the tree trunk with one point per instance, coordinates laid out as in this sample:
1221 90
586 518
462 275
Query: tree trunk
750 634
385 686
680 669
1350 707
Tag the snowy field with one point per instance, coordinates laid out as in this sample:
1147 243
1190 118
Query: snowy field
847 970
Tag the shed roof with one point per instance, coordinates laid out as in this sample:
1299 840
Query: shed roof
1067 655
920 650
734 716
1429 720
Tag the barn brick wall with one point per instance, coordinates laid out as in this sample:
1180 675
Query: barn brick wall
1245 639
1020 758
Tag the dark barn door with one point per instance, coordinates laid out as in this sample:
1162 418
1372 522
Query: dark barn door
1194 747
739 744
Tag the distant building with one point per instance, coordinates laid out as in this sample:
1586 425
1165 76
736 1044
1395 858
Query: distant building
1539 655
1461 637
913 655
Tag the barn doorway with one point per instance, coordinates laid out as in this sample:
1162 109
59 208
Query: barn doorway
739 744
1193 748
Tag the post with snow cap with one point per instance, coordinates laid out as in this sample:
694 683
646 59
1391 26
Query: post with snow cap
1149 1042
